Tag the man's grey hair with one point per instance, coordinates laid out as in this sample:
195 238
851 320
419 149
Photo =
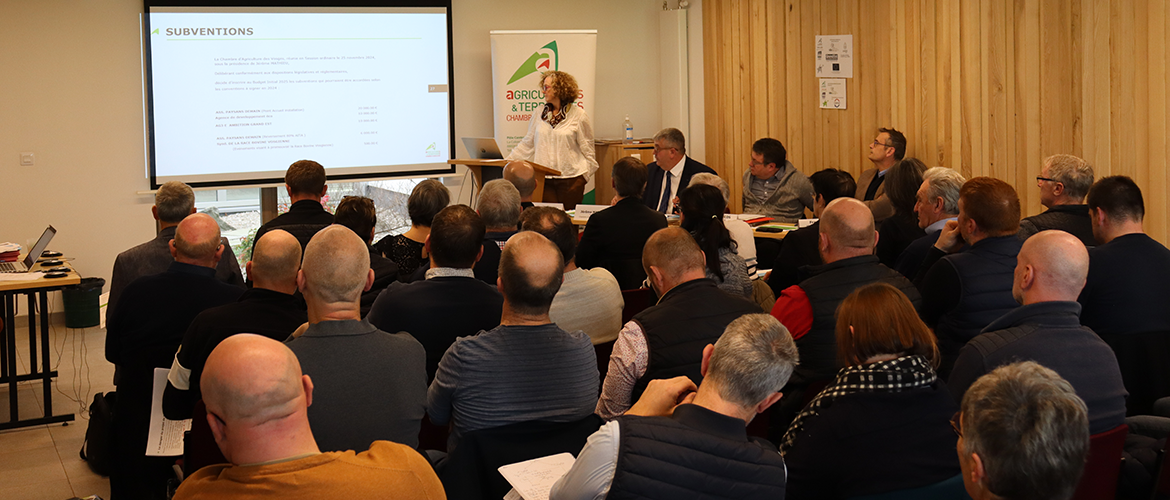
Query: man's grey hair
174 201
753 358
712 180
1075 173
1030 430
944 183
673 137
499 204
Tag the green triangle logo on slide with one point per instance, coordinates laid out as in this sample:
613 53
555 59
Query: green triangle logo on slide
155 32
544 59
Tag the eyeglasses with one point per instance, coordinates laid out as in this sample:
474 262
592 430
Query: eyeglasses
956 425
1039 178
657 149
876 143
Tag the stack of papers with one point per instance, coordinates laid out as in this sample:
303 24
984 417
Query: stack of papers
534 479
9 252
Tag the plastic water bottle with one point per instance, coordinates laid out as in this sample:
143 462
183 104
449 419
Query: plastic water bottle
629 130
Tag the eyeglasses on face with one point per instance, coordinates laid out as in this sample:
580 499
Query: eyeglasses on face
956 424
876 143
1040 178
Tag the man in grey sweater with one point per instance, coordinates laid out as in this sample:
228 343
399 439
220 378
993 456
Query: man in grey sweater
527 368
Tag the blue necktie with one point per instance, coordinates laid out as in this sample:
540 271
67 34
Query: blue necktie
665 203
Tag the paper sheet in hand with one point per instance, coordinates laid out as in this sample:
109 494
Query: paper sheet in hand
166 436
534 478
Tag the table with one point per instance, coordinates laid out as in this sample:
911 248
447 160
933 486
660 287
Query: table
37 292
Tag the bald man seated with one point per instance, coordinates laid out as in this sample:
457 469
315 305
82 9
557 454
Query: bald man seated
371 385
1050 272
523 176
144 332
809 309
666 340
269 308
257 407
525 369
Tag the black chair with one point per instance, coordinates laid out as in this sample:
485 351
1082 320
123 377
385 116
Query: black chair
628 272
470 472
1142 359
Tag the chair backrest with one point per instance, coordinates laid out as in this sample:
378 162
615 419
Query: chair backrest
629 272
637 300
199 448
1162 481
1099 480
950 489
470 472
1144 370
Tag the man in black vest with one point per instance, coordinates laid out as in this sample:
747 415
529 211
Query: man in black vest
667 339
1047 329
1064 181
305 182
963 292
269 308
809 310
660 442
799 248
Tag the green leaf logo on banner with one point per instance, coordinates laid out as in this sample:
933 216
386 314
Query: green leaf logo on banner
544 59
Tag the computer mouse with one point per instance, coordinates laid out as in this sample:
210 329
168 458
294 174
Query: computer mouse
56 275
50 253
60 269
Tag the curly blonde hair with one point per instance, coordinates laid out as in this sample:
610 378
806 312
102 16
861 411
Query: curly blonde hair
564 86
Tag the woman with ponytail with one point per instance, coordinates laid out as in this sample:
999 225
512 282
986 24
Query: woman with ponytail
702 215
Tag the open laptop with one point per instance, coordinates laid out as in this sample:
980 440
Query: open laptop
483 148
27 264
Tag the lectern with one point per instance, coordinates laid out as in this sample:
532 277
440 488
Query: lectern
477 166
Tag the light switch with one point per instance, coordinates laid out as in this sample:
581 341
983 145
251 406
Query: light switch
27 159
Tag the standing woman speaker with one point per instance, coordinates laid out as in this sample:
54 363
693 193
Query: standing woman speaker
560 136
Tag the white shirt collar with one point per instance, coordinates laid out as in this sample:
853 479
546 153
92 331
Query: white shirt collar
938 224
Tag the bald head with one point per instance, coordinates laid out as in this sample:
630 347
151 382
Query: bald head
675 253
275 260
1052 265
197 241
531 272
250 380
523 176
336 266
847 225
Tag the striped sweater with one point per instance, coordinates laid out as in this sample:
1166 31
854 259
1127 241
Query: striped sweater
514 374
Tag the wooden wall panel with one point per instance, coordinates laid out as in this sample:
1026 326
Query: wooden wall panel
988 87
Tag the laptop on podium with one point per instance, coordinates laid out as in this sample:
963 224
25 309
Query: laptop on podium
27 264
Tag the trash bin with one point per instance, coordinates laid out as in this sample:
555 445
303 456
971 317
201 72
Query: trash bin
82 303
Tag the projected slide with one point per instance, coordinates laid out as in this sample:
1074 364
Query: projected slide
240 96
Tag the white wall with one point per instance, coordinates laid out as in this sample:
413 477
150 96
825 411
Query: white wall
71 92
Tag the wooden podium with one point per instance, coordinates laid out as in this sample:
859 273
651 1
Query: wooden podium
476 167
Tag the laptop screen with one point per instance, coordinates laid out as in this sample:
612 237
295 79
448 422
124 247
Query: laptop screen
35 253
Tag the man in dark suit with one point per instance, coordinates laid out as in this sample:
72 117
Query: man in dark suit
450 302
144 331
887 149
173 202
673 164
614 237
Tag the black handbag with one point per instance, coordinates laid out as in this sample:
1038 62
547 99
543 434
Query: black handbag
97 449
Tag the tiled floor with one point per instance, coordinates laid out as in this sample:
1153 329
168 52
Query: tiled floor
42 462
